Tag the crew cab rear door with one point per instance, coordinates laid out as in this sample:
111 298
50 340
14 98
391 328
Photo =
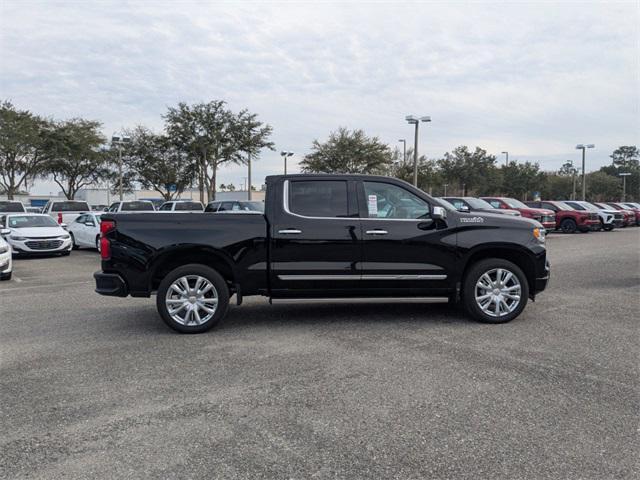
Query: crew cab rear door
315 238
402 244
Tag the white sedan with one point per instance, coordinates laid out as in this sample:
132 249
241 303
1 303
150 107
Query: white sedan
85 231
35 234
5 256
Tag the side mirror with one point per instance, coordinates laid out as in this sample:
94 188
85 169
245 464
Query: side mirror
464 208
4 232
64 225
439 213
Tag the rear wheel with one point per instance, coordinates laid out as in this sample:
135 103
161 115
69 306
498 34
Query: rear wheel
568 225
495 291
6 276
192 298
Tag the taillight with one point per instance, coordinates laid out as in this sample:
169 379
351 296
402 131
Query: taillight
105 245
59 218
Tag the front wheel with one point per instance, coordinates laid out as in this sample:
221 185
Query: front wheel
608 227
73 242
495 291
568 226
192 298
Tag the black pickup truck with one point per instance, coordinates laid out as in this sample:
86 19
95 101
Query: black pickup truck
324 236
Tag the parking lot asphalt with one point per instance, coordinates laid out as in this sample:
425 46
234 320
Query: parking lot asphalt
97 387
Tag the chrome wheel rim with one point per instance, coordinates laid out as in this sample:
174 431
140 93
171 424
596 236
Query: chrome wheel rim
498 292
191 300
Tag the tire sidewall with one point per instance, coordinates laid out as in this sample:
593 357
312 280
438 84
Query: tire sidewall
469 284
193 269
568 225
74 245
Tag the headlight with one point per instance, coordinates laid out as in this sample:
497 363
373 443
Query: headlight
4 249
540 234
17 238
64 237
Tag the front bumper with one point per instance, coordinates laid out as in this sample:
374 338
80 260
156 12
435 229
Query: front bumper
6 265
110 284
34 246
549 226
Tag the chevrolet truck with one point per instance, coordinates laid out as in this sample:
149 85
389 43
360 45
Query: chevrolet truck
324 236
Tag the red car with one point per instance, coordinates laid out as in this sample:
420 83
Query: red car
546 217
628 208
568 219
629 215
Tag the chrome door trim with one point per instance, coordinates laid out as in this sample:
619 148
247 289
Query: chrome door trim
376 232
290 231
362 277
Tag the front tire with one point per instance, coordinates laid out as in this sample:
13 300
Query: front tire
568 226
192 298
608 227
73 242
495 291
6 276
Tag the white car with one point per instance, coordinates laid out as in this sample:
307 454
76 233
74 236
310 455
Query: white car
85 231
35 234
132 206
6 266
181 206
609 218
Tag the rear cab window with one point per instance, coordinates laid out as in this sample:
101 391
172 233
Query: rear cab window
188 206
318 198
137 206
70 206
12 207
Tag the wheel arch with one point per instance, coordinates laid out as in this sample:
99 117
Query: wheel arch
179 256
513 254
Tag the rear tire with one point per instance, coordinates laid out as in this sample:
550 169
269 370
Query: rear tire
6 276
505 295
192 298
607 228
568 226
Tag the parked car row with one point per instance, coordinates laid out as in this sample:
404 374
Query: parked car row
568 216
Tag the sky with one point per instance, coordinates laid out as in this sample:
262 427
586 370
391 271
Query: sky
530 78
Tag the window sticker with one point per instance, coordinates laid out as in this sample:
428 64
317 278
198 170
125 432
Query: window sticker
373 205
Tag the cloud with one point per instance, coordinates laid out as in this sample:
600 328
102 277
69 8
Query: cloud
530 78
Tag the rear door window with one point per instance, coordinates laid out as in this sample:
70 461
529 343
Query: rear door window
319 198
166 207
70 206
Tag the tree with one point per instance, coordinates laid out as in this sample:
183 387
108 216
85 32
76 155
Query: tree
557 186
348 152
603 187
74 159
625 160
469 170
156 163
428 175
22 147
213 136
521 179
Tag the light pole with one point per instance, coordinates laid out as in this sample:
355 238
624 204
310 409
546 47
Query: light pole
506 162
119 142
249 176
584 147
404 149
445 189
624 176
413 120
284 154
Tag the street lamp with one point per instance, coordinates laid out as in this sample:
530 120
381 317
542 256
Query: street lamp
624 176
404 149
413 120
284 155
119 142
583 147
506 162
445 189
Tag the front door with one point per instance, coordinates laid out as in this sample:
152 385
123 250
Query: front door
316 246
405 251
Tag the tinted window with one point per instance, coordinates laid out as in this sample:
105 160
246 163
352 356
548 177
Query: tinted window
457 203
494 203
225 206
70 207
320 198
549 206
513 203
165 207
137 206
577 206
82 219
11 207
188 206
212 207
385 200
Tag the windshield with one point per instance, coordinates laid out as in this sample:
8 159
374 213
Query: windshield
562 206
137 206
70 207
513 203
11 207
478 203
252 206
25 221
445 203
591 206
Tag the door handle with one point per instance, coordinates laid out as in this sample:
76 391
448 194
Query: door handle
376 232
290 231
